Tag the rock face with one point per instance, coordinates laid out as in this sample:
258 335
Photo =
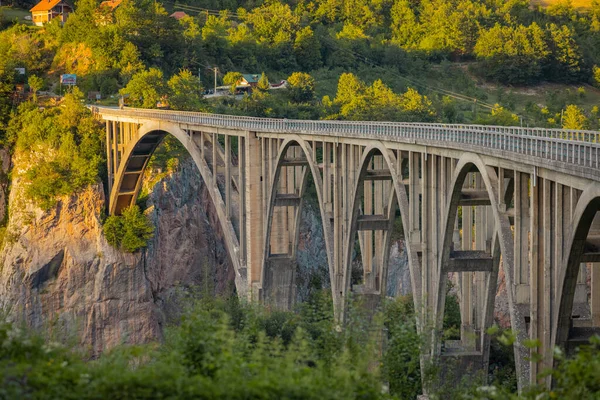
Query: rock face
5 163
59 273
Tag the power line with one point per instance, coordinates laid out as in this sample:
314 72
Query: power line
439 90
190 8
458 96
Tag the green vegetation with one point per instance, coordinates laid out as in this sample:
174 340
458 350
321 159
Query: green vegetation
220 350
129 231
224 349
430 60
62 147
12 15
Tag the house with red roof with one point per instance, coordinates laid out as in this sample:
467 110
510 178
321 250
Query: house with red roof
178 15
104 13
110 4
47 10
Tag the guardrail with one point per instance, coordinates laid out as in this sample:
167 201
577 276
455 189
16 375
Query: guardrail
581 148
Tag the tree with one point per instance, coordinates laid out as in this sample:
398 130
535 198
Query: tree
185 92
272 23
129 231
566 57
301 87
307 49
68 144
596 72
574 118
512 54
35 83
146 88
129 61
232 78
263 83
405 28
349 87
500 116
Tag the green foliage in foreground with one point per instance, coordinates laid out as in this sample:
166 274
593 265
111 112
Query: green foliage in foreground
222 350
62 145
577 377
129 231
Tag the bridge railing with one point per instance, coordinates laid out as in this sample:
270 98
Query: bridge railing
581 148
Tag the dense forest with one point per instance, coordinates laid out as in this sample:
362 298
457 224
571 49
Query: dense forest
430 60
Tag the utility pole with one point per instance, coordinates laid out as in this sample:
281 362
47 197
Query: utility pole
200 79
216 70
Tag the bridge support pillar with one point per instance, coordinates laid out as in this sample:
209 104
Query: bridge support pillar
254 214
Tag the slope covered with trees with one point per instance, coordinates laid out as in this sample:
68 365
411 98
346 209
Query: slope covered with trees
139 50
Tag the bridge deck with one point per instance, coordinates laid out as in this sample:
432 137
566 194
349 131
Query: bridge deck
575 152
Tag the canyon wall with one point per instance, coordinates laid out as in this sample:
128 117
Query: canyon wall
59 274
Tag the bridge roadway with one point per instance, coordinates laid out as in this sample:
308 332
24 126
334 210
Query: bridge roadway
478 204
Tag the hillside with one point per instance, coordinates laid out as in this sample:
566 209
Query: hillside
578 4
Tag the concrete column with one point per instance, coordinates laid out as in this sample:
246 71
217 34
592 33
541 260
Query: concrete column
109 158
215 160
115 148
541 285
242 195
479 277
227 176
595 294
521 239
254 213
367 236
466 289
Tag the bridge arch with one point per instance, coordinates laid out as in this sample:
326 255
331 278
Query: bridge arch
296 154
451 260
586 213
132 165
389 169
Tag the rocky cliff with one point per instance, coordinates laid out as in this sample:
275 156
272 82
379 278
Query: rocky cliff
59 273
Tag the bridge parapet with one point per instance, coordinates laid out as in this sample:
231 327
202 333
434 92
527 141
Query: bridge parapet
577 151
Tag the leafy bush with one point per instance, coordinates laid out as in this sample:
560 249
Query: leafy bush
209 356
577 377
401 361
129 231
64 146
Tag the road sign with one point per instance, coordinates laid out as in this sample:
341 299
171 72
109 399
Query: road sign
68 79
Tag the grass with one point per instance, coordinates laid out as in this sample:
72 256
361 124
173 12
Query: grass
11 14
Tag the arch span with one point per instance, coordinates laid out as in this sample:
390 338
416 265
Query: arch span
503 243
586 210
294 153
399 198
129 176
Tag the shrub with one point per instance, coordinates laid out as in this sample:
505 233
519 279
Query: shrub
67 145
206 357
129 231
401 361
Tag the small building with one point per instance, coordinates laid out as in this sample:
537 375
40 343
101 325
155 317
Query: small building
178 15
47 10
104 13
250 79
94 96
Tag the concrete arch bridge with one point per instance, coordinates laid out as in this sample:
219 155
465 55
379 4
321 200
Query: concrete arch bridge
528 201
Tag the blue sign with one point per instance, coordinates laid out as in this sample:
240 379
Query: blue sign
68 79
